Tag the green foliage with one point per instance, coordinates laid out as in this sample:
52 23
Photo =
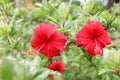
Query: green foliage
112 61
12 70
111 64
16 31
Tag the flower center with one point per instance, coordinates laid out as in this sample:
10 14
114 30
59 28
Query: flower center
93 37
47 40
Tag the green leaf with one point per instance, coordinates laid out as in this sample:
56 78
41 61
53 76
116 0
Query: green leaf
102 71
63 10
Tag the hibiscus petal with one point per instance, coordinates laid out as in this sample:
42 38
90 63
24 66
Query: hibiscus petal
45 30
104 39
57 66
54 46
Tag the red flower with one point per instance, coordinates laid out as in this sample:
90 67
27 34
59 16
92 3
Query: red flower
48 40
93 38
50 76
57 66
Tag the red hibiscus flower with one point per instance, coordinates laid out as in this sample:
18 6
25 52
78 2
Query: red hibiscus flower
48 40
56 66
93 38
